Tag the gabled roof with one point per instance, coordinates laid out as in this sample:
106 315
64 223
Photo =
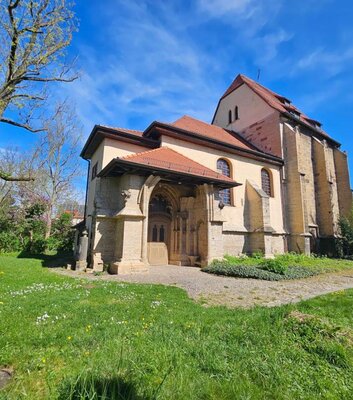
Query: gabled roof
212 131
278 102
168 161
192 130
100 132
125 130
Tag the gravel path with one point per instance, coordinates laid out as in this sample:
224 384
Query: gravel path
234 292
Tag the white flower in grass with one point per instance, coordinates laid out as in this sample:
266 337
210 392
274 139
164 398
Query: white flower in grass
156 303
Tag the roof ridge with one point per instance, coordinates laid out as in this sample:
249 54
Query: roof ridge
120 128
262 86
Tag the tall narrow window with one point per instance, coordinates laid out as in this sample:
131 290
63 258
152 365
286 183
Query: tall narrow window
161 233
266 183
155 234
229 116
224 168
236 113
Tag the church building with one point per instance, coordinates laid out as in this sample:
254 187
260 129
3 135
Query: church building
262 177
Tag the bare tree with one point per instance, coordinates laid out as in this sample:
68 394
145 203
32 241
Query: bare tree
57 160
33 37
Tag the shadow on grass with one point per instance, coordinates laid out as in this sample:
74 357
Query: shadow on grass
50 260
94 388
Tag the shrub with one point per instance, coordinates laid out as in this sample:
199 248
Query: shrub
62 233
37 246
52 243
344 244
258 255
273 265
9 242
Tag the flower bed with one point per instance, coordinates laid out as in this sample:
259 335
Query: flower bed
260 271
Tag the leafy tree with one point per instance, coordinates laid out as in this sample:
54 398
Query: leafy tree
33 39
34 35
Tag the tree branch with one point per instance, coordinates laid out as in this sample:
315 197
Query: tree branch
9 178
55 79
25 126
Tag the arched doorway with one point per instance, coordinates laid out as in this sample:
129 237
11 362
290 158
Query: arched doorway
176 227
160 214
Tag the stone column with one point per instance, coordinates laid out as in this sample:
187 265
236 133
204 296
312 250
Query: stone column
258 219
128 250
81 263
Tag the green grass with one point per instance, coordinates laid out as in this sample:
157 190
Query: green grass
75 339
323 264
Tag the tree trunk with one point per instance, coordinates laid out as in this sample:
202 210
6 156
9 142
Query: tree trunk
48 222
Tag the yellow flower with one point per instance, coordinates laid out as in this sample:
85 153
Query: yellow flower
69 338
86 353
44 360
1 302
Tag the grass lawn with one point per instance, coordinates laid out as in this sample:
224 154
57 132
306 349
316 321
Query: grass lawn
63 336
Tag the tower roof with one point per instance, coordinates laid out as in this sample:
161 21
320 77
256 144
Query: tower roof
278 102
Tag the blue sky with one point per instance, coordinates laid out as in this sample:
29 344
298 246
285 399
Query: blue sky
145 60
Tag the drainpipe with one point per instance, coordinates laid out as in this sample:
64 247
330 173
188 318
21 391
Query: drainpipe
86 197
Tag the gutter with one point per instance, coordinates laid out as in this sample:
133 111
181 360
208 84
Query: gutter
86 197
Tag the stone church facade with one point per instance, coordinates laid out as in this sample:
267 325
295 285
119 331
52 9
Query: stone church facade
262 177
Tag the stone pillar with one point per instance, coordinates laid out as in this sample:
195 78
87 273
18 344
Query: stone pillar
343 184
258 219
143 200
128 250
214 221
81 263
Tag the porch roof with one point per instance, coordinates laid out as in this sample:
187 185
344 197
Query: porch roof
169 164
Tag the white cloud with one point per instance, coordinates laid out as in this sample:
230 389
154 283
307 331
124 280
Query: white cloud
322 60
244 8
152 70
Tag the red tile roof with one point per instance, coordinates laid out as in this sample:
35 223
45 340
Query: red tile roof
274 100
168 159
194 125
124 130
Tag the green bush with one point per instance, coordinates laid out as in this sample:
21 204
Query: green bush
62 233
344 244
37 246
10 242
257 272
273 265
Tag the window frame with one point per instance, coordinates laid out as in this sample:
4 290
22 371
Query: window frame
228 190
236 113
270 182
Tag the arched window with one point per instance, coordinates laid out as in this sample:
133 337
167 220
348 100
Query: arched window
161 233
155 234
229 116
266 183
224 169
236 113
